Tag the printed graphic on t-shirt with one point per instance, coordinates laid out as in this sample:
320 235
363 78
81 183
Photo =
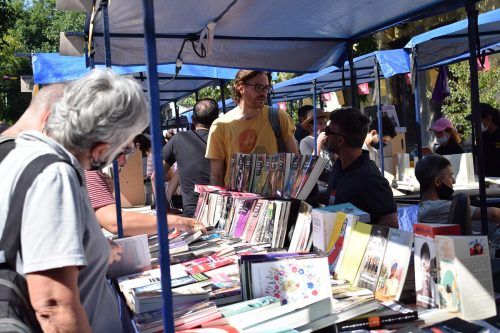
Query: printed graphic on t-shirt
247 140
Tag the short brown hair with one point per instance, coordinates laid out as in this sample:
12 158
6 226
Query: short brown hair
242 77
353 125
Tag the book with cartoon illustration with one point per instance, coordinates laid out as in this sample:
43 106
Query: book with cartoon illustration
465 282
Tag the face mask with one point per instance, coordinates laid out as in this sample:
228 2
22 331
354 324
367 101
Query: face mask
445 192
483 128
443 140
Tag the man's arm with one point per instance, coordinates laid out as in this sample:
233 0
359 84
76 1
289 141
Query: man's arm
389 220
493 214
137 224
291 145
218 171
55 296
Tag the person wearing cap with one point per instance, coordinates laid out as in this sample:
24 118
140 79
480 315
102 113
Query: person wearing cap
490 127
446 137
302 113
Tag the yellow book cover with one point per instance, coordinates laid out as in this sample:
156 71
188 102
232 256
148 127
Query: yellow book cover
354 251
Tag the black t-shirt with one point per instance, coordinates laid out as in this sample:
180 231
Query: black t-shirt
300 133
491 143
362 184
451 148
188 150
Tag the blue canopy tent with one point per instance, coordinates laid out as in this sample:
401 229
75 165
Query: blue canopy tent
449 44
391 62
239 34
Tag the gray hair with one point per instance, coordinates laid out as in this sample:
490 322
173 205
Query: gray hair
101 107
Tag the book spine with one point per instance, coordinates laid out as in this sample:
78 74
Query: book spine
431 231
376 321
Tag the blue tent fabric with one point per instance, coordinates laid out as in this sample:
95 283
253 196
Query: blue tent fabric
280 35
52 67
449 43
392 62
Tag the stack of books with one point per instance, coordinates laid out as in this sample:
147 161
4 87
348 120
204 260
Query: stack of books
283 175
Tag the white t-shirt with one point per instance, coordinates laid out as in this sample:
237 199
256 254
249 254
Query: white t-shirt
59 227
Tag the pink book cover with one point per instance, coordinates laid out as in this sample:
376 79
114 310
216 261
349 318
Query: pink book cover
197 322
243 218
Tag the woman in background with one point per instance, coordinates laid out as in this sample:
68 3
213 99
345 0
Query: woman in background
446 137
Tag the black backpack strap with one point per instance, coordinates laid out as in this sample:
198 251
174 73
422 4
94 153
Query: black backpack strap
275 122
7 144
10 242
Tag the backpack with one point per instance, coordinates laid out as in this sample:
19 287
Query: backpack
16 312
7 143
275 124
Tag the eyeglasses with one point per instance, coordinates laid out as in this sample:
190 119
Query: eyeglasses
259 88
328 131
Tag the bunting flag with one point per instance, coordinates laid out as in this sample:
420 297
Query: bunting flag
363 89
326 97
408 79
282 106
483 66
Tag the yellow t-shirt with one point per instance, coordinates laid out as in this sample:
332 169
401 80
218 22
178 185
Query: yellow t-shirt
229 135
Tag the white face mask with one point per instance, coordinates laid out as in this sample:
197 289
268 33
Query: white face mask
443 140
483 128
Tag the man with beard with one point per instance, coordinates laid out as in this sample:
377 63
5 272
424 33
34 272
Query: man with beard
247 128
436 180
355 178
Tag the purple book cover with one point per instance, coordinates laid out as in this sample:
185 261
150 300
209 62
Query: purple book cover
243 217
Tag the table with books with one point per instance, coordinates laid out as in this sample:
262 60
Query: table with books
272 263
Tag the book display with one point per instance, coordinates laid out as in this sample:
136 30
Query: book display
254 270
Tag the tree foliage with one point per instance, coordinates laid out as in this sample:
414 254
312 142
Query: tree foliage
28 27
457 106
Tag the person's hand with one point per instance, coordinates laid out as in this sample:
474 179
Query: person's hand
190 225
115 253
322 138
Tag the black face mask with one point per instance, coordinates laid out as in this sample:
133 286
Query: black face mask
375 145
445 192
97 165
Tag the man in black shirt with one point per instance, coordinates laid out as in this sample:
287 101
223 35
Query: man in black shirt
188 150
490 126
355 178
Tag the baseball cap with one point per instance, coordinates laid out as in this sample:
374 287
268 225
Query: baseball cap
441 124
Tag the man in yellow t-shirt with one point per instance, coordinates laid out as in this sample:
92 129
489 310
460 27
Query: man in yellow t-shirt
246 129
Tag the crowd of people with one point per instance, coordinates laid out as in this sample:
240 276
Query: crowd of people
102 117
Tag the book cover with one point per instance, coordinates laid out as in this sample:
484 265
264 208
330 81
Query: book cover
465 282
291 280
255 214
425 271
357 242
394 266
431 230
135 256
243 217
261 187
370 267
295 166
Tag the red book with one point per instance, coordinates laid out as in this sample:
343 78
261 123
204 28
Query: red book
209 266
433 229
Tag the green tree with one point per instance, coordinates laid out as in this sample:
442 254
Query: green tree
33 26
457 106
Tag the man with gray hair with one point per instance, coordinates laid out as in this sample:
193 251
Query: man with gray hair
64 253
188 150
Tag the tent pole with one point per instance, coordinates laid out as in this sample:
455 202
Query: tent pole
176 108
116 169
315 120
379 118
321 102
414 73
352 72
472 29
403 102
156 133
222 84
196 97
